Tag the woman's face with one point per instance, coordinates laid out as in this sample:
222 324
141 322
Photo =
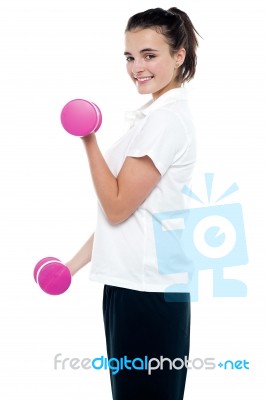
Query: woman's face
149 62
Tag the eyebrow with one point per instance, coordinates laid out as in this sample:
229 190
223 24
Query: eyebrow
126 53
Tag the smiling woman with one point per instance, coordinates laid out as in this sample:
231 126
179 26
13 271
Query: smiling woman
140 175
150 63
177 31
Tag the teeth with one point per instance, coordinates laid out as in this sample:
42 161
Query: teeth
147 78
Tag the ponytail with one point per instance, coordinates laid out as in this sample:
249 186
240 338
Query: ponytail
189 42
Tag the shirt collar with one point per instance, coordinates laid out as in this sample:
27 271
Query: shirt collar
168 97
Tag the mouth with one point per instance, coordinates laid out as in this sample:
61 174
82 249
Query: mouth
143 78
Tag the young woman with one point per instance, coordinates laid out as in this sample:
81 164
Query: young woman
142 174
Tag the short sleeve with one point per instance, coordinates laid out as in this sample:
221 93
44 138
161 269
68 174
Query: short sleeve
163 138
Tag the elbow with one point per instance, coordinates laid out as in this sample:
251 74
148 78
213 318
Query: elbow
116 218
117 212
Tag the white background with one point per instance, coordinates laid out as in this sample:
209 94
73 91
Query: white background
51 52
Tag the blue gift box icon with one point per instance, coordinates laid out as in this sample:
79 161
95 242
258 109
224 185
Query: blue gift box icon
210 237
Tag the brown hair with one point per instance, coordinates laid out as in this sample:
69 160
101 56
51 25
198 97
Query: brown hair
178 30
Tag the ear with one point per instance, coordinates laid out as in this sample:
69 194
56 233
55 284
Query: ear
180 56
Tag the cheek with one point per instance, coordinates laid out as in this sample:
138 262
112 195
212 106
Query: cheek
160 68
168 70
165 65
129 69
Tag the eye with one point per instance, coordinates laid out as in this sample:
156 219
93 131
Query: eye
129 58
149 56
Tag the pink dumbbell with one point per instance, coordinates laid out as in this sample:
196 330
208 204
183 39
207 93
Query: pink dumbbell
81 117
52 276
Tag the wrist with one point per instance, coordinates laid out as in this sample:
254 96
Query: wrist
70 267
89 138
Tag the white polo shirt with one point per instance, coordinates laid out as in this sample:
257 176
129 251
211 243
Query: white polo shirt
125 254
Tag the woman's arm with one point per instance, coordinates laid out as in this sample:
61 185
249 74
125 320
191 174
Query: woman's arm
121 196
82 257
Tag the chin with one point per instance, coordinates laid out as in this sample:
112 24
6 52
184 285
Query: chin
144 92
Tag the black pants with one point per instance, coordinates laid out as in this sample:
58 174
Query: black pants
139 324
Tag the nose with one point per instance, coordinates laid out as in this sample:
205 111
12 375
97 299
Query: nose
138 66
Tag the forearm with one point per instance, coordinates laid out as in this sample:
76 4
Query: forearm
105 183
82 257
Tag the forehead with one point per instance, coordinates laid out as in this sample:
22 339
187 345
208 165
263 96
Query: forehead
144 38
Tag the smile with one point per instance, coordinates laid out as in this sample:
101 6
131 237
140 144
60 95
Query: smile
144 78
